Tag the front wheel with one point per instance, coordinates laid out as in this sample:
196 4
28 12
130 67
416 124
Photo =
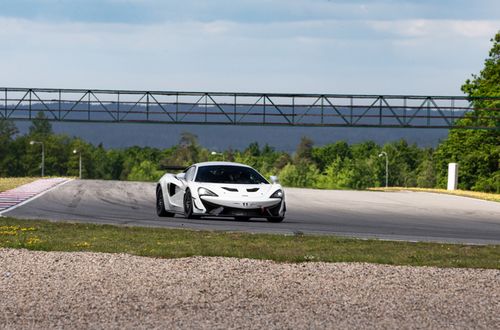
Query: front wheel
160 205
188 205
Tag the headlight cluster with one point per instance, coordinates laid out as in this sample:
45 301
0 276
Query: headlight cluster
278 194
205 192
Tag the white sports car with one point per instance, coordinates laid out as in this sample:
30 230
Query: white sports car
221 189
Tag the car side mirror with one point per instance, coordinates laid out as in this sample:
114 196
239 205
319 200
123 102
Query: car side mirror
181 176
274 179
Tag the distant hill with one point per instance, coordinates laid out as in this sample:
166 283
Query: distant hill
217 137
221 137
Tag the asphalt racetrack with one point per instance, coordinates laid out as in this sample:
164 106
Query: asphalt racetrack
411 216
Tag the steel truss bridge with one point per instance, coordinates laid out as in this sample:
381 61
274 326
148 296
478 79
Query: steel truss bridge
81 105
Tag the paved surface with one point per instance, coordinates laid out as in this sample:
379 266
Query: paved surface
413 216
11 198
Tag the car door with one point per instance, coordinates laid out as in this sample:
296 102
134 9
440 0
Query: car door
181 185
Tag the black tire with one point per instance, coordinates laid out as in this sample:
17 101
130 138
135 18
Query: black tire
188 205
160 205
242 218
278 218
275 219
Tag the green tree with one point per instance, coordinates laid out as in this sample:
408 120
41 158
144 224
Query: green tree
16 162
7 131
57 154
281 161
101 168
337 175
303 174
253 149
484 85
304 150
145 171
186 152
426 171
476 151
325 155
404 160
40 126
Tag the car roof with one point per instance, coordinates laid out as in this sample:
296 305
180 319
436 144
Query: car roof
219 163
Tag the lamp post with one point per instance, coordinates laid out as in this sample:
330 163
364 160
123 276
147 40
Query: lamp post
43 155
383 153
79 162
215 153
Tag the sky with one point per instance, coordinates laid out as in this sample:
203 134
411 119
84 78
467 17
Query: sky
296 46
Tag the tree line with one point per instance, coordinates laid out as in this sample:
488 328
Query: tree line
332 166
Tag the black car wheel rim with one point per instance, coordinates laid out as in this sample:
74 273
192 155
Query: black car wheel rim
159 201
188 204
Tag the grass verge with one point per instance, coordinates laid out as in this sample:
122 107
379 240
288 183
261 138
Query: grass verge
465 193
11 183
176 243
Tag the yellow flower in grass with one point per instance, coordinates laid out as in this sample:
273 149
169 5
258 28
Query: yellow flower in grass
83 245
13 230
9 228
8 233
33 240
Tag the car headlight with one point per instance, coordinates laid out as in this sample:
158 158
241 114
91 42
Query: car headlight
205 192
278 194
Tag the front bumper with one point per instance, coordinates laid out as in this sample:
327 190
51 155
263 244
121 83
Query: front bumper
273 208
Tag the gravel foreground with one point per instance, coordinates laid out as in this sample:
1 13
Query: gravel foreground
97 290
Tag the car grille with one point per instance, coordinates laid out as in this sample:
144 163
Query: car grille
219 210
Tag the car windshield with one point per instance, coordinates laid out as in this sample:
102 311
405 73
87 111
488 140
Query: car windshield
229 174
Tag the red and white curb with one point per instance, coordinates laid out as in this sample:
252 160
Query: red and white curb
16 197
